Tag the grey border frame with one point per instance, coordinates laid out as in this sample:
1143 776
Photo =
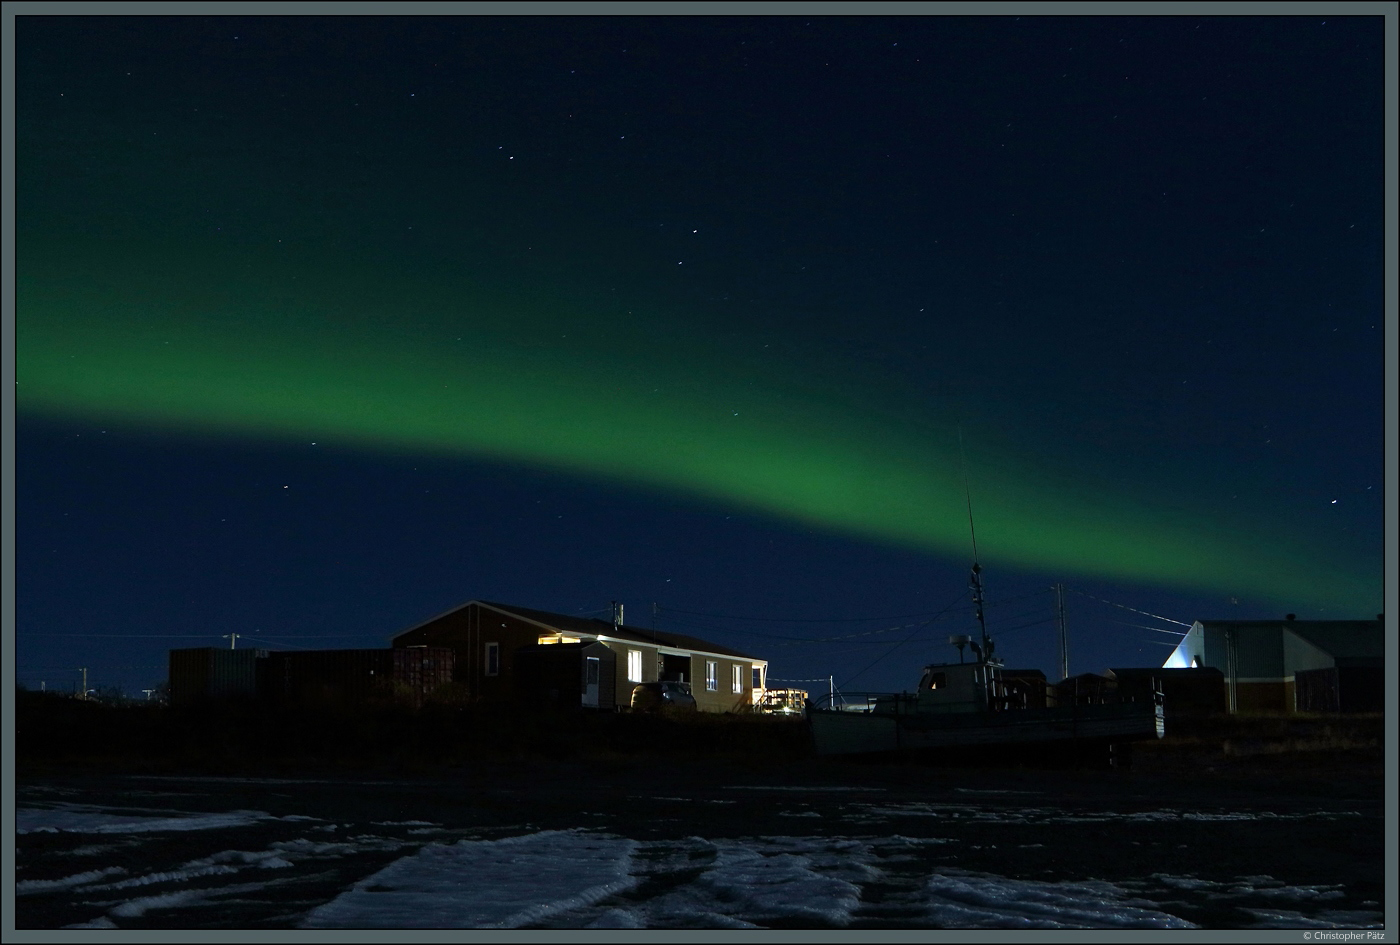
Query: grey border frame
591 7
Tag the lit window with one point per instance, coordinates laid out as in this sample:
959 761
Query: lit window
634 666
493 659
712 676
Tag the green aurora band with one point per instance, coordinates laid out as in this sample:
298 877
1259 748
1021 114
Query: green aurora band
254 348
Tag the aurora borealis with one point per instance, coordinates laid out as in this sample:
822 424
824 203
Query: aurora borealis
760 268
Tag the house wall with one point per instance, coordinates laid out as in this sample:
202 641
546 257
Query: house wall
1190 652
722 698
1257 651
1271 695
1300 655
624 684
469 632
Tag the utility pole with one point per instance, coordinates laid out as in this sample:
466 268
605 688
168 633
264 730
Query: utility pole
1064 636
232 639
148 693
83 670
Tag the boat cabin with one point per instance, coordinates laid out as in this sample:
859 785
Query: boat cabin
960 687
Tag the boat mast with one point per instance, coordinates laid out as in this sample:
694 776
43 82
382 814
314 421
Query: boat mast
976 583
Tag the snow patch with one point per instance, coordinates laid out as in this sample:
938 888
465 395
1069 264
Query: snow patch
963 900
30 887
87 818
485 884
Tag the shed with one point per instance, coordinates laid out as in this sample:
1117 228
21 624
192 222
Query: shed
1186 692
1027 687
1085 689
567 675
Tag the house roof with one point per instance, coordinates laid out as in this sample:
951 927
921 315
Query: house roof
589 626
1349 639
593 627
1340 639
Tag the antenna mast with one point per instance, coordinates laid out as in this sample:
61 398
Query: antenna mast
1064 636
976 583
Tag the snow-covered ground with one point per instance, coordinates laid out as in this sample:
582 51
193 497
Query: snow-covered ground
312 872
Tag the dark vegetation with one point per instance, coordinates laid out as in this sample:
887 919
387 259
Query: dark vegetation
239 736
55 731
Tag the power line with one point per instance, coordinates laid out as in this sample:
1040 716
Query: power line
1035 623
133 636
1126 607
911 636
205 636
696 613
1141 626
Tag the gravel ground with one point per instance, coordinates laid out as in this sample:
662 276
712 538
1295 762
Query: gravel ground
1283 841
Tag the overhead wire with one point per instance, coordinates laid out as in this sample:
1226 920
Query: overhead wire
696 613
901 643
1145 613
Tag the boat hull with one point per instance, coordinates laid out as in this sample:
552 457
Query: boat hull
849 733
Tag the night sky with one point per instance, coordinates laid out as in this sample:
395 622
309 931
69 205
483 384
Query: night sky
327 325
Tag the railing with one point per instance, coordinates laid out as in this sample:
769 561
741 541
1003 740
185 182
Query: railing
858 701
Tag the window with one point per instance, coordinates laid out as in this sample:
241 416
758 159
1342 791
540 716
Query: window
493 659
757 678
738 681
711 676
938 680
634 666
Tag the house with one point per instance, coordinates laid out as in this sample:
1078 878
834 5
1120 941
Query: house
1290 665
495 641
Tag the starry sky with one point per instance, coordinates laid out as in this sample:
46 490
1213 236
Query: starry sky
326 325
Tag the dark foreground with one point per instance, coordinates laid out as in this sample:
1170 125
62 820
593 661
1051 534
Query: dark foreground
1280 832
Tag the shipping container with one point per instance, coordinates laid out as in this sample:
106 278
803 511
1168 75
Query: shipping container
204 673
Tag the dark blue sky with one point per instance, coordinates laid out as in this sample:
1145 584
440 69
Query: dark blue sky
1137 260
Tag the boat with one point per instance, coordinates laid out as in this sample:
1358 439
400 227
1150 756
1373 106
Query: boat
972 704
